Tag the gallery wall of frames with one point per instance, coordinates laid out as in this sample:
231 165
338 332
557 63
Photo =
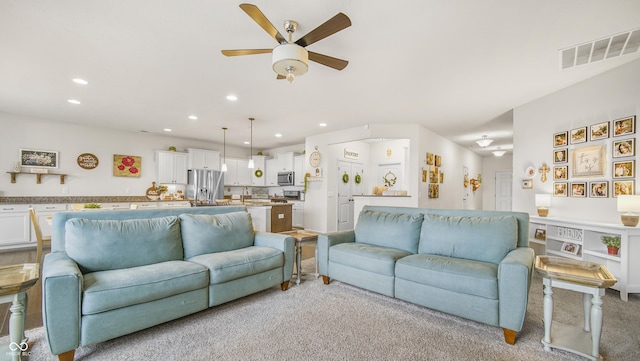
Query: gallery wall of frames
596 161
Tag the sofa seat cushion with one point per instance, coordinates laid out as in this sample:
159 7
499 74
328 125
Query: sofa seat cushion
113 289
204 233
100 245
486 239
367 257
239 263
453 274
394 230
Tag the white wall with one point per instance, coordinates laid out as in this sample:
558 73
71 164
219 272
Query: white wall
609 96
491 165
71 140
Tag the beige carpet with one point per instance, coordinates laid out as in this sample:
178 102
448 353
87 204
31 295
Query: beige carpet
340 322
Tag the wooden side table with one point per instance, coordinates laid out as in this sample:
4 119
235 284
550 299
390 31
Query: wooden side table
590 279
303 238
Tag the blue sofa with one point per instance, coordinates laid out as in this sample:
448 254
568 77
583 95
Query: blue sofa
472 264
111 273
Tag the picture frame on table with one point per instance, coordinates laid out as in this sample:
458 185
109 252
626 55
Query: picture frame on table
540 234
588 161
599 131
624 169
579 189
623 148
560 156
578 135
560 172
599 189
560 139
39 158
571 248
623 187
624 126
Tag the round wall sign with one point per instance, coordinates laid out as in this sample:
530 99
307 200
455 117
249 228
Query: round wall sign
87 161
314 158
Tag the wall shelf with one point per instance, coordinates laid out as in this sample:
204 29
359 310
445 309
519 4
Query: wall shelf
38 176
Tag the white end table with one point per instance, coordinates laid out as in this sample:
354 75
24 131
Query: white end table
590 279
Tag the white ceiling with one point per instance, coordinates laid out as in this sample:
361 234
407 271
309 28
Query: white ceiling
458 67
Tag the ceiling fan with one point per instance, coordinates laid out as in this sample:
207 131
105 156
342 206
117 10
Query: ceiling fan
291 58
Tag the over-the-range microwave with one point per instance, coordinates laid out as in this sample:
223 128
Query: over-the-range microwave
285 178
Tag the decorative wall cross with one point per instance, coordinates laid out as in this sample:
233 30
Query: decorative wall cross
544 170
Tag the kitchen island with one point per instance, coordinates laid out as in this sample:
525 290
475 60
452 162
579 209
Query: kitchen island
270 216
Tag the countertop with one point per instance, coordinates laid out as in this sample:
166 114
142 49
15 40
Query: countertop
79 199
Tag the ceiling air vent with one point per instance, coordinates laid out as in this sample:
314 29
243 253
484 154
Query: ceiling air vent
607 48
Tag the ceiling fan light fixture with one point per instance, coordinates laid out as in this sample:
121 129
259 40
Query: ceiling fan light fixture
484 142
290 60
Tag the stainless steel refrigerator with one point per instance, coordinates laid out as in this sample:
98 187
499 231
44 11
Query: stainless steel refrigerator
205 186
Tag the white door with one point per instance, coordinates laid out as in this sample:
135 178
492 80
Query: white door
346 188
504 184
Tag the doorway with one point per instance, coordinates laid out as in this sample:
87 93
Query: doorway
347 187
504 191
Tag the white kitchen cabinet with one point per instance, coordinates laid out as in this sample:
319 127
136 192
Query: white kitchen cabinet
298 170
298 214
285 162
272 172
45 211
238 172
557 237
172 167
15 225
175 204
146 205
203 159
259 162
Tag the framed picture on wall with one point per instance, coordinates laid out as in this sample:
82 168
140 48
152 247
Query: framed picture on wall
560 173
578 135
579 189
560 155
624 148
599 131
560 189
560 139
39 158
623 187
588 161
624 169
527 184
624 126
599 189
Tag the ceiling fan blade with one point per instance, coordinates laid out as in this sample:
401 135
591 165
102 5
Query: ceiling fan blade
245 52
262 20
280 77
331 26
329 61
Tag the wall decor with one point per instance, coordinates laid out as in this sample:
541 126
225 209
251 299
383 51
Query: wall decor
438 161
543 170
624 148
560 173
578 189
560 189
624 169
599 131
623 187
560 139
424 175
527 184
599 189
434 191
87 161
560 156
624 126
588 161
38 158
429 158
433 174
127 165
530 171
578 135
441 177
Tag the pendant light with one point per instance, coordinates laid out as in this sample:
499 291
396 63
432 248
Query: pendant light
223 168
251 165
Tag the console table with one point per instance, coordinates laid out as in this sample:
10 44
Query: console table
590 279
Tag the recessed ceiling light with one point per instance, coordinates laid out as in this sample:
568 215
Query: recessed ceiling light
323 124
80 81
278 135
193 117
73 101
232 97
167 129
247 142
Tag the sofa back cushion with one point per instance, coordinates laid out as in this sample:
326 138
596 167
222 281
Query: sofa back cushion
486 239
395 230
99 245
215 233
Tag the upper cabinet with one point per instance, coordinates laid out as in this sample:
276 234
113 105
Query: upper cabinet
259 172
272 172
203 159
172 167
285 162
238 172
298 170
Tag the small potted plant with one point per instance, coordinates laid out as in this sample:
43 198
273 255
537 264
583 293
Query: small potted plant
612 242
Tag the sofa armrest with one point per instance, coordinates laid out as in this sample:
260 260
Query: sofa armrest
278 241
514 281
61 302
326 241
